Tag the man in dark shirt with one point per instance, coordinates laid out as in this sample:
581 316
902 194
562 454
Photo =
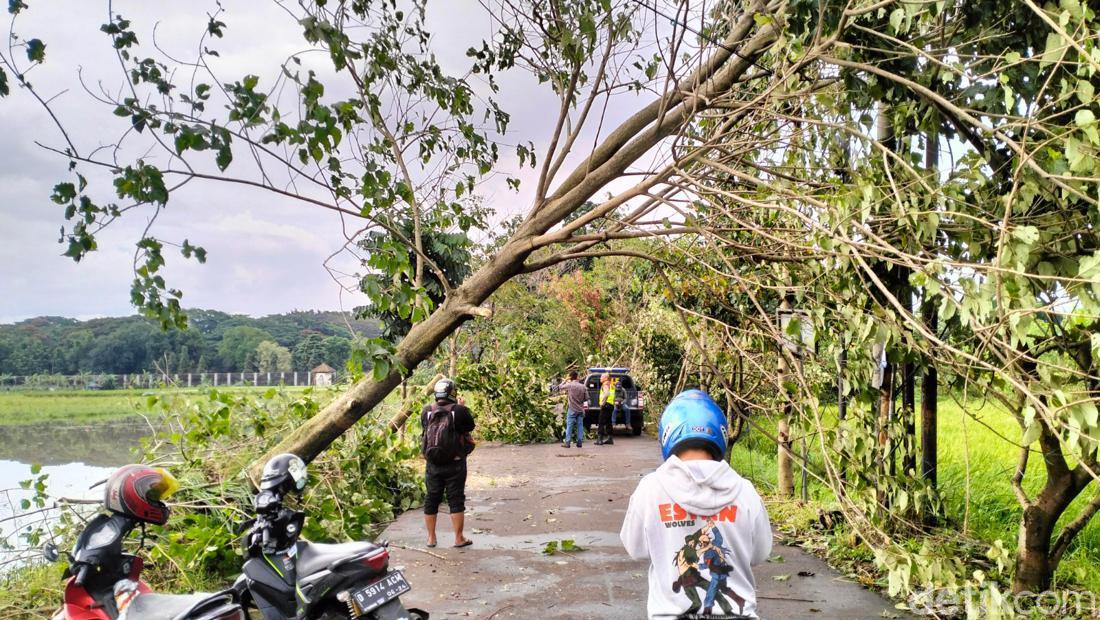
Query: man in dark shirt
575 394
448 478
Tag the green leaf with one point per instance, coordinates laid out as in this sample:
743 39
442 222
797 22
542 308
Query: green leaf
896 17
36 469
763 19
1084 118
1031 433
1053 51
1089 414
1027 234
1086 92
551 548
224 158
381 369
36 50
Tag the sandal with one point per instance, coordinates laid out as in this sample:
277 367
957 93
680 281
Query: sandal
466 543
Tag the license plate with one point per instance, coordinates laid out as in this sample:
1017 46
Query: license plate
380 592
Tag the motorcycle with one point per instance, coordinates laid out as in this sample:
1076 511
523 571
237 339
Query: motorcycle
104 582
288 577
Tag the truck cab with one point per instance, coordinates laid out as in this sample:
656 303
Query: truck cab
629 399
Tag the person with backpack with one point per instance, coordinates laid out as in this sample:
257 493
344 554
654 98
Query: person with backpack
445 443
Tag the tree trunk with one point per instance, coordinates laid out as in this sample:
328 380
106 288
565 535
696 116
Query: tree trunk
929 392
882 450
785 474
1036 557
634 138
842 405
1033 570
409 406
929 401
784 471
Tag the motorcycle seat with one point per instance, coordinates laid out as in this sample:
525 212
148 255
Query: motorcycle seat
315 557
178 606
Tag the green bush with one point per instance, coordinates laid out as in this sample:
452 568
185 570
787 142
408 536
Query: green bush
207 441
508 395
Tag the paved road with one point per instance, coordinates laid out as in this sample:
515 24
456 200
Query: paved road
521 497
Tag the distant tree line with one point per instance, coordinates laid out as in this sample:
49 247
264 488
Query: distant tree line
215 342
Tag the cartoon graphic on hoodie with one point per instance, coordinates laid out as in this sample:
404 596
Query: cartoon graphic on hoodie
715 561
702 526
687 564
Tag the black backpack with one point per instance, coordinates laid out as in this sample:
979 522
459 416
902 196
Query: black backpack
439 441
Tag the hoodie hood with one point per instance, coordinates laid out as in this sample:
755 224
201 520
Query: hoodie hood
701 487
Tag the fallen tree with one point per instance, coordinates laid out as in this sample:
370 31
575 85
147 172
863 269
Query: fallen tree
406 145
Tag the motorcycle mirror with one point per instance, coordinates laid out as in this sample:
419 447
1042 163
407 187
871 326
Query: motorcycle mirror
243 526
51 552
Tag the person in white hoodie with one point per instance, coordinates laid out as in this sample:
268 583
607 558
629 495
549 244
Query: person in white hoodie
700 524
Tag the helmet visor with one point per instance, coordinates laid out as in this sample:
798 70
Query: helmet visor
163 488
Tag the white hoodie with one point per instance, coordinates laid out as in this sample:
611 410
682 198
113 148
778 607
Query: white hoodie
702 526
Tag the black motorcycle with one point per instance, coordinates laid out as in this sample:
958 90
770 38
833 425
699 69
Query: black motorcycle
287 577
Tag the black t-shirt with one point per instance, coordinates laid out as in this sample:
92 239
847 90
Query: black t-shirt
464 420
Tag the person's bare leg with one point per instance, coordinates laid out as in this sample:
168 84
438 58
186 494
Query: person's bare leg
458 519
429 522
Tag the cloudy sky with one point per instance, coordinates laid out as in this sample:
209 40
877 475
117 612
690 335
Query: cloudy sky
265 255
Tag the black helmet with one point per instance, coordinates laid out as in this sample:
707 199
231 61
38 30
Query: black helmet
444 389
283 474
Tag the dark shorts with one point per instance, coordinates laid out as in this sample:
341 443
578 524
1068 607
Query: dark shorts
449 479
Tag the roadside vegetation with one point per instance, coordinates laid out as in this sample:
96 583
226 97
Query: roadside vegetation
207 439
978 504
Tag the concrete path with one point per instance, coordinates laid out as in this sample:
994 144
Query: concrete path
521 497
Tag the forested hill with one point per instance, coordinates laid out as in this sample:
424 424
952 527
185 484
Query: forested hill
215 341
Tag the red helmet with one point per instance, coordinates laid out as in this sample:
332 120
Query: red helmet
139 491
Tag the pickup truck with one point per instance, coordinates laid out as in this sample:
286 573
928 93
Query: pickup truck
629 400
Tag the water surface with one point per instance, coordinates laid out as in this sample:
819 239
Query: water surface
73 458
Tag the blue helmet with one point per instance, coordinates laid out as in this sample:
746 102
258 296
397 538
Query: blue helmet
693 414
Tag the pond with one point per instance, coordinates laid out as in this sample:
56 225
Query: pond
73 457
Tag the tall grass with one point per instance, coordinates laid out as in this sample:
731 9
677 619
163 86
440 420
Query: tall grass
976 461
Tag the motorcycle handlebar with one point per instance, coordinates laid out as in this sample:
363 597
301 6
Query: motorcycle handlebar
81 574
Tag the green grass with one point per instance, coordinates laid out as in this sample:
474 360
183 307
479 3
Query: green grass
82 406
989 511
